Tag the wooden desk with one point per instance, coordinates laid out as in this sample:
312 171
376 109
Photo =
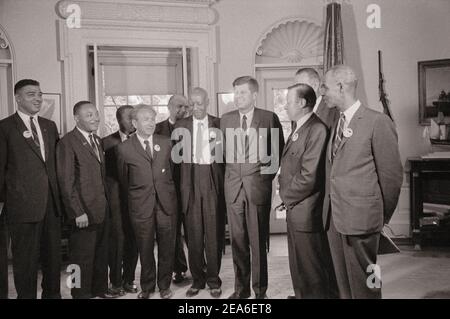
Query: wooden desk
430 183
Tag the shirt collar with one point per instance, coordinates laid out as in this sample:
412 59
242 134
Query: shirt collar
170 121
123 136
318 101
249 115
204 121
85 134
350 112
303 120
26 118
142 140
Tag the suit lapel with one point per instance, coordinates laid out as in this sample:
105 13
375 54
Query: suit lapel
352 125
156 141
139 149
20 125
86 144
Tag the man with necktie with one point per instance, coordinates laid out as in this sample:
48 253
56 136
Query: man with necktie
364 175
202 196
254 143
178 107
30 193
302 185
145 172
81 176
123 254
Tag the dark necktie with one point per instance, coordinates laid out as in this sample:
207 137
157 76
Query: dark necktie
34 133
94 145
339 134
148 149
244 123
294 127
199 144
246 142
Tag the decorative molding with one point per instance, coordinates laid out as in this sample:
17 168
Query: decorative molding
4 43
122 12
292 41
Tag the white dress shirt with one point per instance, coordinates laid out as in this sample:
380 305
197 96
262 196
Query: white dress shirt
123 136
142 141
249 120
26 120
206 150
86 136
302 121
350 112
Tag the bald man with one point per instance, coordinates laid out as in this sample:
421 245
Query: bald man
364 175
310 77
178 108
202 196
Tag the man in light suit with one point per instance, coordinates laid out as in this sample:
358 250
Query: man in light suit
178 107
363 181
81 176
302 186
311 77
30 193
145 171
248 184
202 196
123 254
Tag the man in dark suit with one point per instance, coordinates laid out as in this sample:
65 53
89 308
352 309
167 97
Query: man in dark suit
202 198
81 176
29 191
123 254
364 175
302 185
178 109
311 77
254 143
3 256
145 172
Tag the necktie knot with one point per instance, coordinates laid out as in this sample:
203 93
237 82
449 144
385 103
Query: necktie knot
244 122
34 132
148 149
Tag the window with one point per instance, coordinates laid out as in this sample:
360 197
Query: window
279 102
113 102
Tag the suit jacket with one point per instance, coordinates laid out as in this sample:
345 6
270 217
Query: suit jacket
363 182
147 179
25 179
164 128
257 186
217 168
81 177
327 115
302 176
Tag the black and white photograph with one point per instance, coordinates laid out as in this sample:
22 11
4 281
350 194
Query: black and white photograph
211 152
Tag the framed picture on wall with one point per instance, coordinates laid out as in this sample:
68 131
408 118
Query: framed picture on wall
225 103
51 109
434 90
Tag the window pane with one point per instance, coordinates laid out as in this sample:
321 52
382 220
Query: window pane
279 101
162 113
160 99
111 124
119 100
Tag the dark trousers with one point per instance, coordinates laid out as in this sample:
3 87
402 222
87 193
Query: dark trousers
351 255
180 263
163 226
89 250
123 254
130 250
310 265
249 225
3 258
34 242
205 232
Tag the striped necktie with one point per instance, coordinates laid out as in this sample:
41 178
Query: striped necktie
339 134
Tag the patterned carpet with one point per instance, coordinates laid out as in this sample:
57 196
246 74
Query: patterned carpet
408 275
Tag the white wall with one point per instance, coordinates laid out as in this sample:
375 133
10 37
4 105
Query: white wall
412 30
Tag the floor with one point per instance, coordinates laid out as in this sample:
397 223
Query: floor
410 274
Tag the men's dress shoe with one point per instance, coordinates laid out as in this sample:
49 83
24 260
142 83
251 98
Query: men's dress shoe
179 277
236 295
215 292
192 292
144 294
166 293
118 291
291 297
261 296
107 295
130 287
